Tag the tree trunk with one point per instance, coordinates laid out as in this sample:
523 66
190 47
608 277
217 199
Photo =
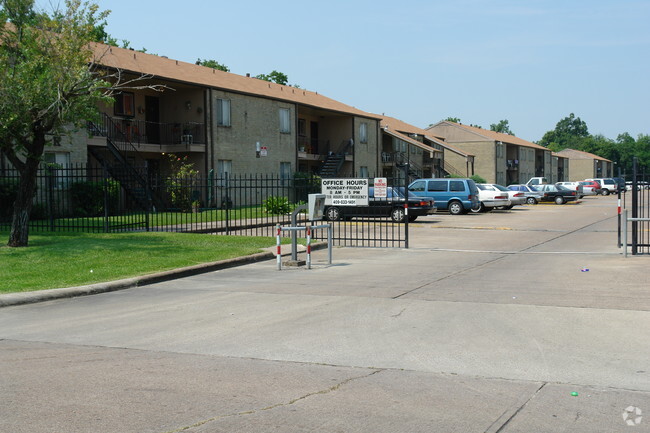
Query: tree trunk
19 234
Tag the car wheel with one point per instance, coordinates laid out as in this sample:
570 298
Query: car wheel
507 207
397 214
605 192
531 200
333 213
559 200
479 208
456 208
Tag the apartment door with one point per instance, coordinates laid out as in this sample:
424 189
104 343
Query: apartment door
313 137
152 119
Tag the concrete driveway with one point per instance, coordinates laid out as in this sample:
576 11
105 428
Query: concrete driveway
488 323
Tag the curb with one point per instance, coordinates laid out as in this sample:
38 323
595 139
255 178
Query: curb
12 299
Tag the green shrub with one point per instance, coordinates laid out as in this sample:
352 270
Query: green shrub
478 179
8 192
277 205
181 182
88 197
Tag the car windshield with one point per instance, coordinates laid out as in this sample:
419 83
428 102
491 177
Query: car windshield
562 188
500 187
533 188
395 192
481 187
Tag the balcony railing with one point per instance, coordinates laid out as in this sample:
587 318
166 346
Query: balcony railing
314 146
140 132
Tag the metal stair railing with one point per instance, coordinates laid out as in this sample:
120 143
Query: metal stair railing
449 168
335 160
131 180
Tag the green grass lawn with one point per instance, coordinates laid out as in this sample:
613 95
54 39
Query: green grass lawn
55 260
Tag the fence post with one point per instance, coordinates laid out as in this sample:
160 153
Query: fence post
635 203
619 216
50 196
106 200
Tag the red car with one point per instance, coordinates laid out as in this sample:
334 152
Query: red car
592 183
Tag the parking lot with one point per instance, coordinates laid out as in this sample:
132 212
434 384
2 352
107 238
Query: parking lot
508 321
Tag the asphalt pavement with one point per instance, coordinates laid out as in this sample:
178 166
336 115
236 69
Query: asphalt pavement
527 320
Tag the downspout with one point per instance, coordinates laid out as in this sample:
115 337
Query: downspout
354 148
209 119
208 129
295 137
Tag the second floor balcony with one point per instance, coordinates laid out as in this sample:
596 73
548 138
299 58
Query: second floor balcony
152 136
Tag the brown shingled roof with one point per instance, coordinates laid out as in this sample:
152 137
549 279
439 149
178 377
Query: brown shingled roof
142 63
399 125
497 136
579 154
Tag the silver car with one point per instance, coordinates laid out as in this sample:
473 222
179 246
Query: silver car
532 195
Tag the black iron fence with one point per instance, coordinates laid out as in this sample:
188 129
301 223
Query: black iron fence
89 199
636 212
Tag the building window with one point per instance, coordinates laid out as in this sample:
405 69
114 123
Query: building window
59 162
363 132
224 167
302 128
124 104
285 171
363 172
285 120
223 112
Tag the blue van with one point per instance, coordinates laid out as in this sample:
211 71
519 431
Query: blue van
453 194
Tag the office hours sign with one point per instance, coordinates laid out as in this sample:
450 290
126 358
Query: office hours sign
345 192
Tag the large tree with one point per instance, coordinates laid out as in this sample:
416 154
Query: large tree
568 132
48 80
275 77
502 127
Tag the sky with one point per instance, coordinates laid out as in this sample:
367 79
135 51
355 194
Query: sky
530 62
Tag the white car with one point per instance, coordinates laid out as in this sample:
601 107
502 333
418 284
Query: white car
490 198
515 197
607 184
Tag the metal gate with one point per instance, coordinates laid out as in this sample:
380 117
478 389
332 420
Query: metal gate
636 212
377 225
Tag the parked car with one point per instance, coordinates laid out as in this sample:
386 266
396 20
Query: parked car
515 197
531 195
576 186
607 185
592 183
589 189
391 206
621 183
556 193
489 198
458 195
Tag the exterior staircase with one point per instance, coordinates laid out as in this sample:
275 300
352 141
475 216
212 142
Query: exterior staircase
334 162
114 160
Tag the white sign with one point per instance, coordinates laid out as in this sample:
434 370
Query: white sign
264 151
381 185
345 192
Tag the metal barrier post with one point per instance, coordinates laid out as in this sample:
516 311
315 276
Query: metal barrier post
329 242
308 248
624 234
279 248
